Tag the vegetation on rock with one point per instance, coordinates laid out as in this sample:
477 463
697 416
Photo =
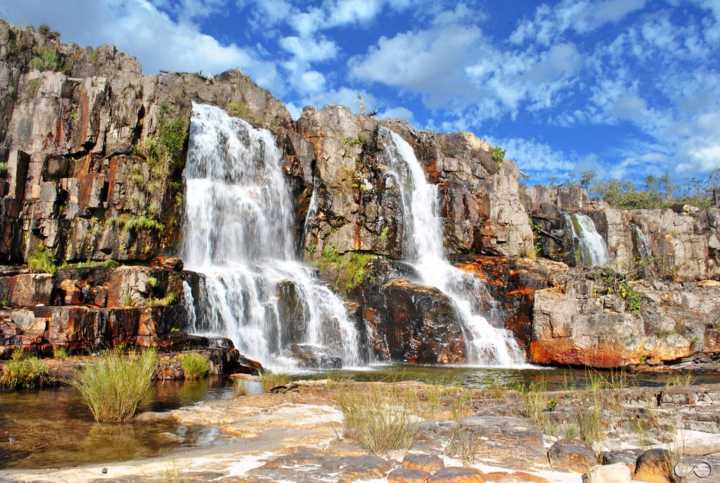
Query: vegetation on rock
350 269
194 365
42 261
114 385
24 372
269 380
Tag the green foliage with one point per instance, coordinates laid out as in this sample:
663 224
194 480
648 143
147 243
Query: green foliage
115 384
238 108
194 365
3 169
165 148
42 261
168 299
384 233
498 155
152 282
350 269
270 380
46 58
357 141
60 353
616 283
134 223
23 372
90 264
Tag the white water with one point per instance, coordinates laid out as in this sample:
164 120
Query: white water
593 249
643 244
485 344
238 234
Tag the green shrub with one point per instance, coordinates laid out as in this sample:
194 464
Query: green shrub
195 366
60 353
90 264
498 155
115 384
350 269
42 261
3 169
24 372
168 299
238 109
164 149
136 223
46 58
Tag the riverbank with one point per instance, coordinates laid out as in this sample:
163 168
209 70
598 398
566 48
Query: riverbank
301 431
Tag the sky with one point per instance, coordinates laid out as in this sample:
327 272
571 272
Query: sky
626 88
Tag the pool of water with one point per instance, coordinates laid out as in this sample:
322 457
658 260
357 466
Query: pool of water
479 377
52 428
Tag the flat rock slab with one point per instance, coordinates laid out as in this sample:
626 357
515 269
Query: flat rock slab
512 441
458 475
306 465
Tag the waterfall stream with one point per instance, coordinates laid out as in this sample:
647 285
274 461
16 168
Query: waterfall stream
238 236
423 247
590 245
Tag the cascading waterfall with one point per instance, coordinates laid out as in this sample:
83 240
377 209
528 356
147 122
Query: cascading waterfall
423 240
641 242
238 235
593 250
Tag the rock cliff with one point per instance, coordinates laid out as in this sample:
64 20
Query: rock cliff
93 154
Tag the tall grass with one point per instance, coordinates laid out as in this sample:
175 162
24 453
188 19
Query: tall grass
194 366
270 380
379 418
114 386
24 372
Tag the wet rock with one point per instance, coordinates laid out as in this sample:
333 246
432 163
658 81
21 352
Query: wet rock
572 455
457 475
628 457
423 462
419 324
315 357
655 466
613 473
406 475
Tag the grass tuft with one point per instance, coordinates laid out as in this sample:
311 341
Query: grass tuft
194 365
114 386
24 372
378 418
42 261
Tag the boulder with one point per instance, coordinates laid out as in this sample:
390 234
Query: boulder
423 462
614 473
406 475
571 455
453 474
628 457
654 466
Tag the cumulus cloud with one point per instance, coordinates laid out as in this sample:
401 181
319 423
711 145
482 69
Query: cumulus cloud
537 159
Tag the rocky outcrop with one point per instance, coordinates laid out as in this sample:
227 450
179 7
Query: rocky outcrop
682 243
593 320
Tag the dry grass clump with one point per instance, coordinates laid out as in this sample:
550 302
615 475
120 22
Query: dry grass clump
115 384
379 417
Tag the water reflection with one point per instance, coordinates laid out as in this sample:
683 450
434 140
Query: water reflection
54 428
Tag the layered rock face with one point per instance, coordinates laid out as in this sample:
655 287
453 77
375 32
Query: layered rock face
94 152
681 244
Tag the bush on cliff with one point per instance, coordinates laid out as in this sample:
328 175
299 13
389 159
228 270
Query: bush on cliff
114 386
194 366
24 372
42 261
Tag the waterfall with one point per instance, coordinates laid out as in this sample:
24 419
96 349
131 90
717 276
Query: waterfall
423 248
642 243
593 251
238 236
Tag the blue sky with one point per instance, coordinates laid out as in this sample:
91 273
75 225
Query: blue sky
625 87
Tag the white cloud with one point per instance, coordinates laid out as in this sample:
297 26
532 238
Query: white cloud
342 97
536 158
139 28
397 113
308 49
579 16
